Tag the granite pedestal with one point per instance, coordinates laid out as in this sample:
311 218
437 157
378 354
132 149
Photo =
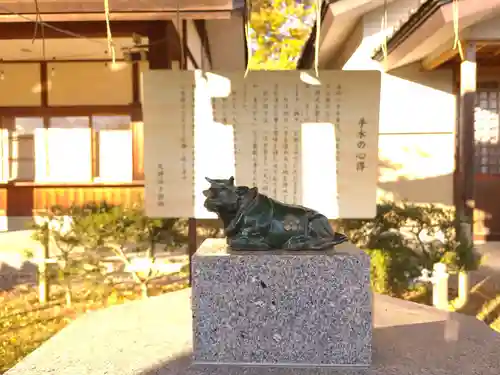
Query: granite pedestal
291 309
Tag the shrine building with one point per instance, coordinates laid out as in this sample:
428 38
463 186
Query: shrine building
71 125
439 117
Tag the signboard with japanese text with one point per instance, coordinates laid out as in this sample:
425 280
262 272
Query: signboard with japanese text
299 138
168 145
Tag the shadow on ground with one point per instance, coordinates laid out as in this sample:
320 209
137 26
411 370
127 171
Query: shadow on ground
10 276
445 347
484 299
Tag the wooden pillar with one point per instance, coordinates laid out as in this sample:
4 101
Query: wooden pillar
160 50
192 244
137 125
466 146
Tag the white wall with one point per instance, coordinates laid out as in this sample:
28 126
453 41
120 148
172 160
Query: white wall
417 119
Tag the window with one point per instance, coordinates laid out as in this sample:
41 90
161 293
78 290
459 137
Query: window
66 149
69 150
112 156
18 147
22 150
97 148
4 149
486 132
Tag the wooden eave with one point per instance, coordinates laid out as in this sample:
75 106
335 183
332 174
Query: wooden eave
410 25
120 10
429 18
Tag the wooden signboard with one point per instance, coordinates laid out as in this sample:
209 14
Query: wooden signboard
300 139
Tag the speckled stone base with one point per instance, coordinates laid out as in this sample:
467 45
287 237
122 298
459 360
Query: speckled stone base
300 309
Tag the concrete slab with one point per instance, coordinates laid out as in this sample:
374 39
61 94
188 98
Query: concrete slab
154 337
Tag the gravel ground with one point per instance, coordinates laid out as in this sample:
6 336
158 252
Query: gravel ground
153 337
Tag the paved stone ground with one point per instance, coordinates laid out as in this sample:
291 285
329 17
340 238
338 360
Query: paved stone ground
153 337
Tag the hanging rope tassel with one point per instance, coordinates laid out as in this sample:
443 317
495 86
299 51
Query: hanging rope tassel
248 36
109 36
457 43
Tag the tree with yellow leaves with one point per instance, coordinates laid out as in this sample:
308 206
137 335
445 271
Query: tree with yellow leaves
278 31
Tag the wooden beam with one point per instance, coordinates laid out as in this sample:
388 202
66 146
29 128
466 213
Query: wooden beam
93 29
433 61
134 110
485 42
466 144
116 6
479 47
125 16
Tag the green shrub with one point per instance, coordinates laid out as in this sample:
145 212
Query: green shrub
392 270
83 236
403 239
379 271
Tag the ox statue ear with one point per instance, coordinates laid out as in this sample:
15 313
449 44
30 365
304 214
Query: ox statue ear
231 180
209 180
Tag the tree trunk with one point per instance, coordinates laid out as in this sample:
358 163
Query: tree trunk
43 282
151 249
144 290
68 293
43 274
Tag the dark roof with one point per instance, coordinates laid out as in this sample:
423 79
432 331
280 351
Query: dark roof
407 26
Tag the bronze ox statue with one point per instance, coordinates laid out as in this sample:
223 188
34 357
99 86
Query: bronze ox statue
253 221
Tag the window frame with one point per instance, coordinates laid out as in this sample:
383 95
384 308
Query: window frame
12 139
132 111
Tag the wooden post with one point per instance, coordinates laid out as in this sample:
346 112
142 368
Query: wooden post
440 286
192 244
465 167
